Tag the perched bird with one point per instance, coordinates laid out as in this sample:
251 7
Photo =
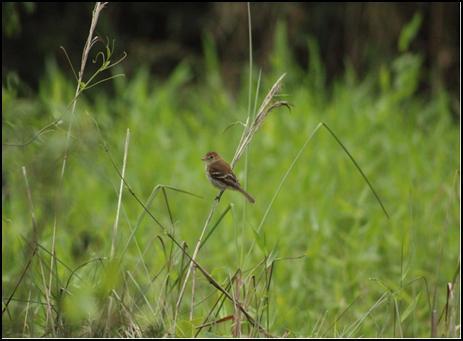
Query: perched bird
219 173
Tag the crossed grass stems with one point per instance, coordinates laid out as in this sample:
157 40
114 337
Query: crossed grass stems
227 291
250 129
268 262
248 133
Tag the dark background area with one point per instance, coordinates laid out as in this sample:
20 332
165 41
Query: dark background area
162 35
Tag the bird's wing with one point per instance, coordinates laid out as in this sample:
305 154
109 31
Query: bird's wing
222 172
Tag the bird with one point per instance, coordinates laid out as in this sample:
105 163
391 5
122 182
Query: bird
220 174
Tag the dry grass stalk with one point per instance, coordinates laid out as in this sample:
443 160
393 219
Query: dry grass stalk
119 199
236 329
191 259
248 133
91 40
87 47
449 311
265 108
193 287
29 198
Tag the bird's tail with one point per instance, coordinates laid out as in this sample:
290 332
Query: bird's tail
247 195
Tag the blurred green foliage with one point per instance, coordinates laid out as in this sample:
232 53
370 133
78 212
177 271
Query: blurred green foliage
159 36
11 23
409 32
406 143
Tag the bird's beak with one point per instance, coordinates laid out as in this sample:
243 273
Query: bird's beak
203 158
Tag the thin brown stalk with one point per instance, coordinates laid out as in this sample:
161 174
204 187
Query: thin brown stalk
256 301
223 319
220 299
34 250
246 139
203 271
236 330
21 277
267 294
195 253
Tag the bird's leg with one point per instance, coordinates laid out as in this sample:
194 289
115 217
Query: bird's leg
219 195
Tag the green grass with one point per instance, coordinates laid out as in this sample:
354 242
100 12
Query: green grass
355 273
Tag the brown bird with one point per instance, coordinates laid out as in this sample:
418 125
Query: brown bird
219 173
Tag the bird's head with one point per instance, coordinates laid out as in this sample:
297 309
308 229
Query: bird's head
211 157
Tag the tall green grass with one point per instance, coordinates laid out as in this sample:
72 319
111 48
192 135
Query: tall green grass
325 262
